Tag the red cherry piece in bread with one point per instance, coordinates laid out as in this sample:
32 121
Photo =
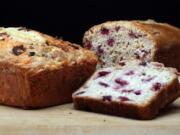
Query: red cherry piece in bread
121 82
89 45
110 42
137 92
156 86
131 72
103 84
107 98
103 73
99 50
104 31
148 79
123 98
126 91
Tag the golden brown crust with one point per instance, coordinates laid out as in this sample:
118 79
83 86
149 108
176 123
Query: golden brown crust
47 88
164 35
64 45
143 112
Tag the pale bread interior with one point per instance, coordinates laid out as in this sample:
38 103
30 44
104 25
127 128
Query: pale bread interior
136 83
117 41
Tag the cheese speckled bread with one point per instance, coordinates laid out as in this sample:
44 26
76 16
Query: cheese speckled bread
137 90
145 40
37 70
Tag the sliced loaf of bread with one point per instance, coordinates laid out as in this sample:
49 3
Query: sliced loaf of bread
144 40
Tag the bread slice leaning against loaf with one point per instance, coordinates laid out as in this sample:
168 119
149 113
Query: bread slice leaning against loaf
144 40
37 70
137 90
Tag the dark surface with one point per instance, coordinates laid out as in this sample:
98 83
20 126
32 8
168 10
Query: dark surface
70 19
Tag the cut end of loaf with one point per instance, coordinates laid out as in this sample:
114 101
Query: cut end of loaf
117 41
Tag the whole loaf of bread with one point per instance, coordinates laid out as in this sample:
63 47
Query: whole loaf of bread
37 70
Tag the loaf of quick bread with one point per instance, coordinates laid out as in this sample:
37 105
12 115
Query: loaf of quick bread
37 70
144 40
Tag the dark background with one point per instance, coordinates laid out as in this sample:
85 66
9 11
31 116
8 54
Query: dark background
71 18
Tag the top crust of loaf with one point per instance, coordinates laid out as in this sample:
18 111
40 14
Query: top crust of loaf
29 49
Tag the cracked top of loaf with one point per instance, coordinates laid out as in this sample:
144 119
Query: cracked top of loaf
27 48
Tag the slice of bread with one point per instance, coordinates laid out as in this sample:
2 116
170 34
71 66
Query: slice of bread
145 40
137 90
